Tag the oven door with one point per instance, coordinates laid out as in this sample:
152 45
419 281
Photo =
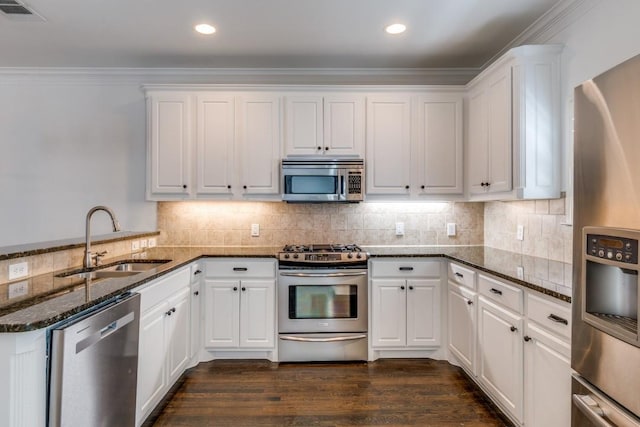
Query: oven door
322 300
312 184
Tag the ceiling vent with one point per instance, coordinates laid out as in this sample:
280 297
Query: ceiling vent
15 10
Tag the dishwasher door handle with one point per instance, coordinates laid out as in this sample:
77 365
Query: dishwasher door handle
104 332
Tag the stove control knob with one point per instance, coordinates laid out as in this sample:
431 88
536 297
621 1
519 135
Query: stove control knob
619 256
610 255
295 256
359 256
628 246
286 256
627 257
601 253
350 255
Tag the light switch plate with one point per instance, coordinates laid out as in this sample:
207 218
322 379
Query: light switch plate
451 229
135 245
520 232
18 270
255 230
143 243
399 228
18 289
520 272
151 243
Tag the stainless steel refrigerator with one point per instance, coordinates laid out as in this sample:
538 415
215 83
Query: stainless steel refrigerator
605 340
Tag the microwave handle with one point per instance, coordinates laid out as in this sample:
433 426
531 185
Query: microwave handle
343 186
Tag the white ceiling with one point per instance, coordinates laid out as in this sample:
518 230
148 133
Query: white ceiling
265 33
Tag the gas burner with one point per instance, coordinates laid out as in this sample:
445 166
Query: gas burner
323 254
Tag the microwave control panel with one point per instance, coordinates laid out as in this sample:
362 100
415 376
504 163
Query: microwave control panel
615 248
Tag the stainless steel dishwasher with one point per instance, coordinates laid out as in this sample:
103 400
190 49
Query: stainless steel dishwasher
94 366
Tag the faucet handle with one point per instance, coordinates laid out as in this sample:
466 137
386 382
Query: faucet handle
97 256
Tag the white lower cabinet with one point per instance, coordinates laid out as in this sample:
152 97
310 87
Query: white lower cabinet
239 306
165 327
406 309
196 311
462 325
515 343
501 364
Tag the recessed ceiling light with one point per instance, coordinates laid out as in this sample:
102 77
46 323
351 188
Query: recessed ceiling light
205 29
396 28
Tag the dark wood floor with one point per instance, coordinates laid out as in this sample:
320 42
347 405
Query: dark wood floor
412 392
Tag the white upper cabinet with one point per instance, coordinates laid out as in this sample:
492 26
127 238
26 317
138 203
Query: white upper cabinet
259 144
388 144
439 144
169 134
215 124
331 125
513 127
213 145
414 145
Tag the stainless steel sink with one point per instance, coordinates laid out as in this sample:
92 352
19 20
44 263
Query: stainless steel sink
120 269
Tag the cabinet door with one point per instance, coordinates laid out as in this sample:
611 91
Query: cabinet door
152 377
214 143
303 117
462 326
501 361
221 321
169 132
440 144
389 313
259 144
344 125
423 313
388 144
257 313
547 379
196 336
499 122
178 334
477 137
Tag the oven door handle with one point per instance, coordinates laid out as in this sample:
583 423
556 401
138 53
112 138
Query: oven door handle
591 410
332 339
360 273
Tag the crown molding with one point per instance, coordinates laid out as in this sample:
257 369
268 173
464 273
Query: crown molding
352 76
555 20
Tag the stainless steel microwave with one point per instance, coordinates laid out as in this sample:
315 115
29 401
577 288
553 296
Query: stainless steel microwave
322 180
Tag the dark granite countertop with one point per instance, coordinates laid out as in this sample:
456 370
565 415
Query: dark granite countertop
50 299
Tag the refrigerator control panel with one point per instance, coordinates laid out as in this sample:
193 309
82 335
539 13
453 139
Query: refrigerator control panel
615 248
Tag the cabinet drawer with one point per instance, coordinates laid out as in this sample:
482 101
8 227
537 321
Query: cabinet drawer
409 267
240 268
163 288
462 275
554 316
507 295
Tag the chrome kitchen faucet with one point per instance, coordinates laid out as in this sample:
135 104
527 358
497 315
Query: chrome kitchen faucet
87 248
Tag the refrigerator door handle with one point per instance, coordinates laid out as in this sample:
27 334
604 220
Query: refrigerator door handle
590 409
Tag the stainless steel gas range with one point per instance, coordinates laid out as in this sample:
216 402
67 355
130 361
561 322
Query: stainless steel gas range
322 303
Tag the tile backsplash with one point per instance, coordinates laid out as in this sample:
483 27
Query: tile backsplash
229 223
546 234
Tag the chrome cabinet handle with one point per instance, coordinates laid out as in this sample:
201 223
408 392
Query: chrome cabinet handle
495 291
195 273
557 319
240 269
460 275
405 268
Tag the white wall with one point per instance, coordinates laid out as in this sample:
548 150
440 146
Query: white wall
65 147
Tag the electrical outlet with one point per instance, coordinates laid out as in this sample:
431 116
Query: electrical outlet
143 243
151 243
520 232
18 289
135 245
143 255
451 229
520 272
255 230
399 228
135 256
18 270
